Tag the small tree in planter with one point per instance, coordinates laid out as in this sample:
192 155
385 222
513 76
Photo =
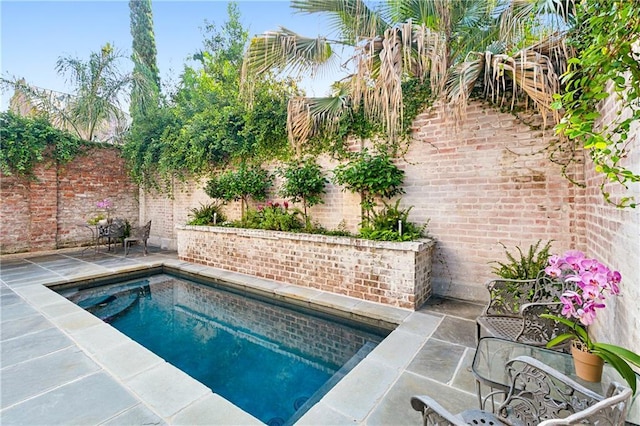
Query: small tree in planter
242 184
303 182
372 176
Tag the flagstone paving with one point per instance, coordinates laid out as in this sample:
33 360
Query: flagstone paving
61 365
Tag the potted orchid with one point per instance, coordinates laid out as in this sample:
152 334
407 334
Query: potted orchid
593 283
105 205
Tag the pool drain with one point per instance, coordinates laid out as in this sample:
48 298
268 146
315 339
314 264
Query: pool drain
276 421
300 402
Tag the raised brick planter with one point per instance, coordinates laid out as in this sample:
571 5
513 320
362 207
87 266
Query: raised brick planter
397 274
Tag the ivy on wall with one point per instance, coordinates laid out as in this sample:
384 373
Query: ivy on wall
27 141
606 66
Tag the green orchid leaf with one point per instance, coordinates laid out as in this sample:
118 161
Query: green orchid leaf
578 331
623 353
559 339
620 365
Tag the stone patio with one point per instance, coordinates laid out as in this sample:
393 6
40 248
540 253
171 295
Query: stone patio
61 365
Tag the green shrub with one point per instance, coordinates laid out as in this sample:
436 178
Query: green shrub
391 224
242 184
372 176
521 266
26 141
303 181
273 217
207 214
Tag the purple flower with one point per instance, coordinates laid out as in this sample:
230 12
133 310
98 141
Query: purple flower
568 309
573 259
553 271
104 204
593 282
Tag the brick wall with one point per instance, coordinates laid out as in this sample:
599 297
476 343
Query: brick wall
48 212
397 274
485 183
613 236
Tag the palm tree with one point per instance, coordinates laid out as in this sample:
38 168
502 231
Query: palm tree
452 45
93 106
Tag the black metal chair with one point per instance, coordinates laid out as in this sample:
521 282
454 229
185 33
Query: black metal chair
538 395
138 235
514 309
111 233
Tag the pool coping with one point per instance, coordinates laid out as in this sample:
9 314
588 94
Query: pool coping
179 399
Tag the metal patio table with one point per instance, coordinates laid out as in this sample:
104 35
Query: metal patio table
492 354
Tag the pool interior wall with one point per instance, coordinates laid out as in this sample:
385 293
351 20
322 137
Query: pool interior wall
216 305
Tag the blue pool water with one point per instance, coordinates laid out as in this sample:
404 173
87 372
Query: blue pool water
271 361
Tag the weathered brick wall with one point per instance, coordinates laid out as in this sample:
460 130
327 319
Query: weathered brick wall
613 236
28 211
48 212
167 212
488 182
485 183
92 177
15 207
397 274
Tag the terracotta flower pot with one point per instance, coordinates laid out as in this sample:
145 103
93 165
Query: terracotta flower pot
588 366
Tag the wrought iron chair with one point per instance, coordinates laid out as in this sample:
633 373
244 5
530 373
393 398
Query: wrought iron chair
538 395
111 233
514 309
139 235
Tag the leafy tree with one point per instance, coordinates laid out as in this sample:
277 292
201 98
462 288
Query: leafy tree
145 148
247 182
303 181
206 124
372 176
145 70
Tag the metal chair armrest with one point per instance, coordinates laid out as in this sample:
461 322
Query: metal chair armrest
610 411
434 413
538 392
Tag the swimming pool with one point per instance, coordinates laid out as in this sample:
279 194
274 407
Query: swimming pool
272 361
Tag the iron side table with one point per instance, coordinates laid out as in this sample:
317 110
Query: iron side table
492 354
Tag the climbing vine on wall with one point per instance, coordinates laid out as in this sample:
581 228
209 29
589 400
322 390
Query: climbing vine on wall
27 141
606 66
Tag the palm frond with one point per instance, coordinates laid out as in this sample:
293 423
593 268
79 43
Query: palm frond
353 19
461 80
30 100
285 50
515 20
419 11
306 116
534 71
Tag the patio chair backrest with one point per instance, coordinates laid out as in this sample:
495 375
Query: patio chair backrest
508 296
143 233
541 395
